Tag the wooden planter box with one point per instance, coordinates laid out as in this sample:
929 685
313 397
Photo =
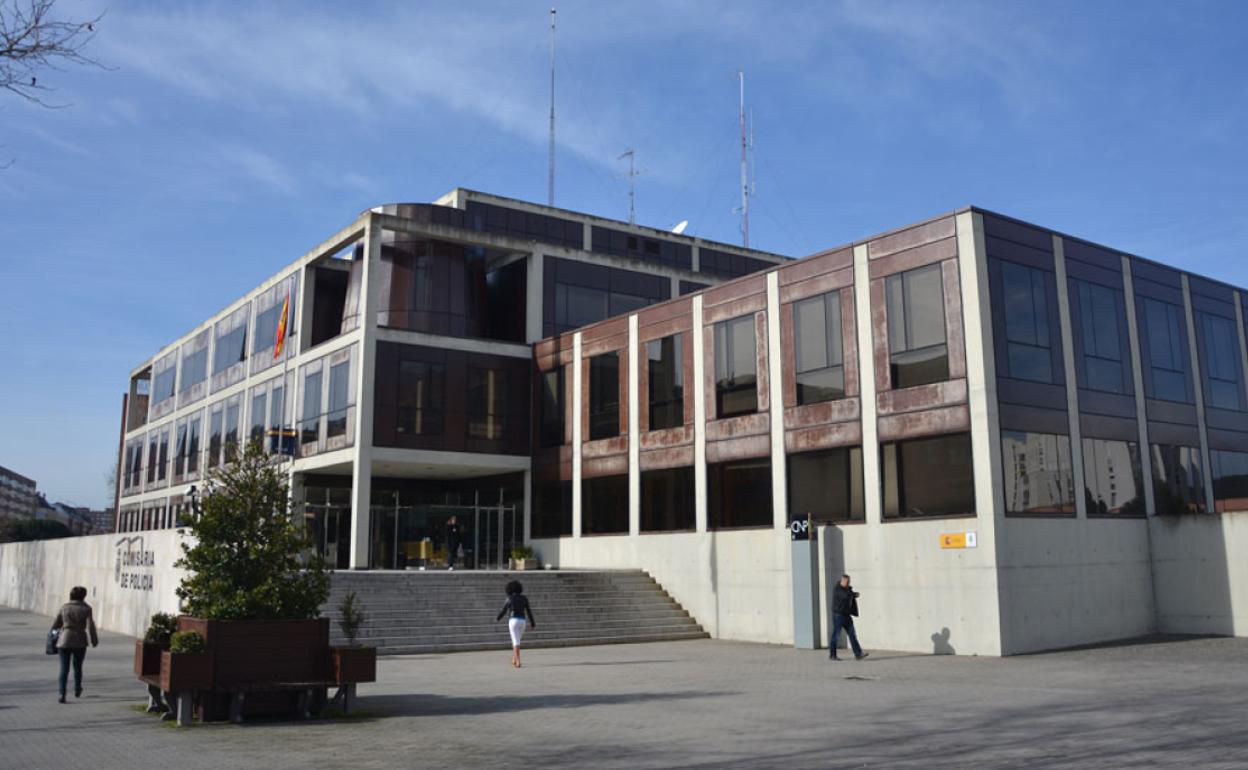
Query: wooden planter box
185 671
147 658
524 564
352 665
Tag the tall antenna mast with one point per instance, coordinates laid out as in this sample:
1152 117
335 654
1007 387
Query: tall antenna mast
550 182
633 173
745 168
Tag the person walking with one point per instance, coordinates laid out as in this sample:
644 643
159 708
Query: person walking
452 541
844 610
521 617
75 622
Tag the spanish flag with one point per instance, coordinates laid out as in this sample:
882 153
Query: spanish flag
280 340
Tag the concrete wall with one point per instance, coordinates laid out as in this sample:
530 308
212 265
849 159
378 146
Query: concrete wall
1200 564
127 577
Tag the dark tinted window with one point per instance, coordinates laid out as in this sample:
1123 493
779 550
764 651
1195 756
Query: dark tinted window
1230 480
550 408
487 217
689 287
420 398
1220 360
667 500
916 327
826 484
1178 484
1113 478
233 414
604 396
1028 341
1038 474
736 365
552 509
179 451
728 265
1164 329
339 396
258 414
820 370
666 382
309 425
928 477
163 385
604 505
1100 311
192 446
487 403
674 253
194 368
231 348
739 494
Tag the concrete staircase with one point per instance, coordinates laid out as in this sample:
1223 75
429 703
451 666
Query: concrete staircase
420 612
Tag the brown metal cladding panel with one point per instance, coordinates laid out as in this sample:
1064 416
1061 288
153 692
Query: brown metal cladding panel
743 425
567 405
623 392
664 328
615 465
763 375
604 345
817 264
849 341
666 311
738 307
738 449
954 337
916 257
604 447
670 437
823 437
928 423
708 371
604 329
686 349
788 356
736 289
818 285
930 396
879 336
544 348
643 390
584 397
674 457
912 237
809 415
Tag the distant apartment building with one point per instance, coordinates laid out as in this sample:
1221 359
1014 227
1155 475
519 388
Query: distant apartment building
18 495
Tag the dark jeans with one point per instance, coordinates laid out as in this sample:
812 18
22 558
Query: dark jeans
846 622
76 655
451 548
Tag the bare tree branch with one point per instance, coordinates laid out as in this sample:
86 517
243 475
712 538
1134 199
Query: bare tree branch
33 40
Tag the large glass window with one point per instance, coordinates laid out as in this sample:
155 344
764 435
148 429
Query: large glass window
162 457
258 414
1164 327
550 408
420 398
739 494
918 353
666 386
826 484
604 396
928 477
179 451
1178 484
1113 478
819 366
604 505
339 399
1099 311
194 367
233 413
1220 360
192 445
487 403
1230 480
310 424
667 500
214 437
277 407
163 385
1028 346
152 447
552 509
231 348
1038 475
736 367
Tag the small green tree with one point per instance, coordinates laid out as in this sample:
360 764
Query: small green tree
249 558
350 617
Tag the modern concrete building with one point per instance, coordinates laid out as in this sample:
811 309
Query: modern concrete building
18 495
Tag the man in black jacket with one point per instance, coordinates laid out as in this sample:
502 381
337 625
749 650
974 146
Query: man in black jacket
844 608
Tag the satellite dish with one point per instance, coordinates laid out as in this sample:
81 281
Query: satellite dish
680 227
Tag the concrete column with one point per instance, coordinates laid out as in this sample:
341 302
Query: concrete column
302 332
1137 379
1197 381
699 417
588 237
779 479
871 497
634 430
535 286
696 264
576 434
675 287
362 468
1072 383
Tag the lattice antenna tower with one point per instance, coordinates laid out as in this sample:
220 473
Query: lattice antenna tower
550 163
633 173
747 162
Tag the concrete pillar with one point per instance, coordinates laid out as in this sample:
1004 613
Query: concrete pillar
365 360
1137 379
1072 383
535 286
699 416
871 497
576 434
779 479
634 429
1197 381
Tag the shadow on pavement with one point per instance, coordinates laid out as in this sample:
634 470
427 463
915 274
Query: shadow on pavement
418 704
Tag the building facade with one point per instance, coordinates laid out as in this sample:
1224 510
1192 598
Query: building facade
18 495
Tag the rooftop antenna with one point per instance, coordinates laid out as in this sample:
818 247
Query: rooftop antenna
747 145
633 173
550 181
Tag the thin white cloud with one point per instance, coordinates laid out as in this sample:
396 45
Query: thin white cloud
257 166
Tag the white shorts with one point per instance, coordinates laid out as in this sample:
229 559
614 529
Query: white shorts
516 626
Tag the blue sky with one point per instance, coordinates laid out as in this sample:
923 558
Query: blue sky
225 139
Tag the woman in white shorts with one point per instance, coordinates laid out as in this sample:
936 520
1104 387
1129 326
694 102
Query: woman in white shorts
520 617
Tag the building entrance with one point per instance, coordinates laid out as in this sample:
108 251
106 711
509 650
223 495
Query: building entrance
415 536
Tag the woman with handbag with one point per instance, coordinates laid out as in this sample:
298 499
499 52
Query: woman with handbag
74 622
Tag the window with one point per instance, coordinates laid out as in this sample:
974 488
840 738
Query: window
550 408
1113 478
194 367
604 396
420 398
1230 480
277 407
162 457
232 415
192 446
1163 323
819 367
151 458
179 451
1099 320
1178 484
552 509
214 437
1024 303
1220 360
604 505
739 494
736 364
915 306
928 477
1038 474
827 484
339 398
164 383
667 500
487 403
577 306
310 425
666 382
258 415
231 348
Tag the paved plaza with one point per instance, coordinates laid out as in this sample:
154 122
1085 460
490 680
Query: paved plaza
1163 703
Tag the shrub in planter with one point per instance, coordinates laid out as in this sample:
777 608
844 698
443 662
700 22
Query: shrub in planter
523 557
186 665
156 639
352 663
